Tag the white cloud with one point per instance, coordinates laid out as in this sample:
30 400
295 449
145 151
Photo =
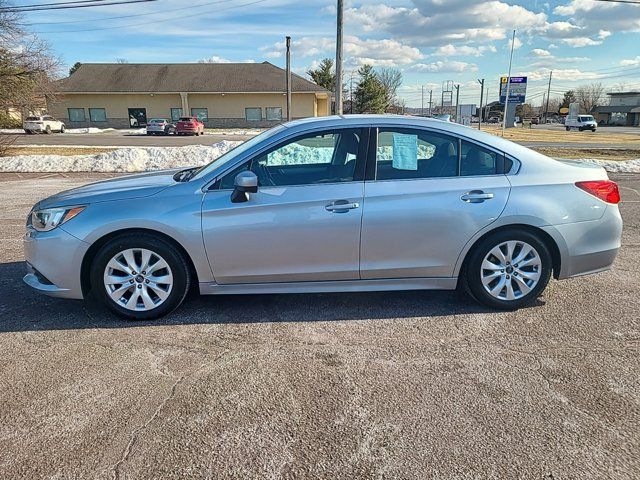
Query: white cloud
605 16
357 51
579 42
216 59
517 43
539 52
440 66
630 62
562 74
451 50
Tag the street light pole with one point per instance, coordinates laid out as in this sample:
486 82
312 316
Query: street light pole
339 59
546 109
506 98
288 79
481 82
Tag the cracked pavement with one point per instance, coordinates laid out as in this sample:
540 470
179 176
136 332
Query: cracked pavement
367 385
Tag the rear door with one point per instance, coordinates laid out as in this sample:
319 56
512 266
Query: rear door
426 194
303 224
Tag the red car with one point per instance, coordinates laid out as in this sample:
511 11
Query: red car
189 126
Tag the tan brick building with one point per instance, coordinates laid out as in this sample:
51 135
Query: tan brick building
220 94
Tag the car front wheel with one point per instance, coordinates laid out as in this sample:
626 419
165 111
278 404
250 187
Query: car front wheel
140 277
509 269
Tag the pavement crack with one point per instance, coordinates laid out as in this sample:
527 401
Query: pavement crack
135 434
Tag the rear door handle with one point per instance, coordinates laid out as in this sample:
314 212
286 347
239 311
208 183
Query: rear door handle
476 196
341 206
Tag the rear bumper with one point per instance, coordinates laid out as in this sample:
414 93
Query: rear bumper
588 247
54 262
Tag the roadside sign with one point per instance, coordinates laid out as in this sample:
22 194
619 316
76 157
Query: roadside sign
564 110
517 89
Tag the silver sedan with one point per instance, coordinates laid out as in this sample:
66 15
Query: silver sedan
355 203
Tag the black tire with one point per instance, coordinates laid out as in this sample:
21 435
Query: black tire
593 130
174 258
47 130
29 132
471 276
567 128
62 128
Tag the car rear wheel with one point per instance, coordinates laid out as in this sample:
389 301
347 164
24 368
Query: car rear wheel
509 269
567 128
47 130
62 128
140 277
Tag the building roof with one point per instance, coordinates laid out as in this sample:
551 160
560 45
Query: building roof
181 77
622 94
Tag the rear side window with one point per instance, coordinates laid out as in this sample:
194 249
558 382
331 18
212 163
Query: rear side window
410 154
477 160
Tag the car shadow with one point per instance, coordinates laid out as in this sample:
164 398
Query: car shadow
22 309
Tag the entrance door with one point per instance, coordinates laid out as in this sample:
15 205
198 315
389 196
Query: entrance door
303 224
138 117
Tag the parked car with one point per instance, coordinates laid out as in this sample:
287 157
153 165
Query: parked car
43 124
160 126
493 120
190 126
444 207
581 122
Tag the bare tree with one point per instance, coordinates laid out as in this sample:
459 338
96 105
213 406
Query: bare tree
391 79
122 60
27 66
589 96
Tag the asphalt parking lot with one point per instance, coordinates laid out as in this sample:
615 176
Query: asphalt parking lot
370 385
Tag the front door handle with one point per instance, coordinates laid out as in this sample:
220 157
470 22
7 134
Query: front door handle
476 196
341 206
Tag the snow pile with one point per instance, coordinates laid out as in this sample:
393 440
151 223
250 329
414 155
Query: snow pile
254 131
10 131
121 160
626 166
87 130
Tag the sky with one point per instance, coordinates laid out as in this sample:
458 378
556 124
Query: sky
430 41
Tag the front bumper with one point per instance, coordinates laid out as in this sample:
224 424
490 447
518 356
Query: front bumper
54 261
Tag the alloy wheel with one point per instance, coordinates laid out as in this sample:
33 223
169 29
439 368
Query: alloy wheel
511 270
138 279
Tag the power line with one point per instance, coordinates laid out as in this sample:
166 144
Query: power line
66 7
150 22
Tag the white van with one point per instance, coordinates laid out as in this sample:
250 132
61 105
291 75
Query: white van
581 122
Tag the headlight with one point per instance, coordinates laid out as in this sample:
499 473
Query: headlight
50 218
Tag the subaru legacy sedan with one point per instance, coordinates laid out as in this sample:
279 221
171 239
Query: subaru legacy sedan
333 204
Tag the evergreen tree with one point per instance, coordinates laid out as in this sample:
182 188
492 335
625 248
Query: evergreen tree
75 67
569 97
324 75
370 94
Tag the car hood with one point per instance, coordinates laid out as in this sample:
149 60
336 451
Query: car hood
122 188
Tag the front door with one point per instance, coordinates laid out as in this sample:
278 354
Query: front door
303 224
429 195
138 117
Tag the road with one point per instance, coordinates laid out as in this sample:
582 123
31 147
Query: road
370 385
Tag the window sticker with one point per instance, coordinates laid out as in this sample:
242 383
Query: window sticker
405 151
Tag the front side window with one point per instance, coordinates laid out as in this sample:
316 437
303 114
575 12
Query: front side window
176 113
410 154
253 114
201 114
477 160
307 160
97 114
274 113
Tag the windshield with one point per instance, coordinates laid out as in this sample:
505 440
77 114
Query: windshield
586 118
231 154
157 120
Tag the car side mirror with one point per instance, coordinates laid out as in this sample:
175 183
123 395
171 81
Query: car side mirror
245 183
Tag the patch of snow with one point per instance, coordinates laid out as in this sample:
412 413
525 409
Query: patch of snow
132 131
87 130
121 160
246 132
623 166
10 131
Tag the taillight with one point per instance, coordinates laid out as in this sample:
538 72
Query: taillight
605 190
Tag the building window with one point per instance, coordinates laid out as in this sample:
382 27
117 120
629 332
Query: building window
274 113
76 114
176 113
201 114
97 115
253 114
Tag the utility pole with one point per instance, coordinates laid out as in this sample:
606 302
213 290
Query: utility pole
339 59
546 108
430 102
351 92
457 98
481 82
506 98
288 79
422 104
